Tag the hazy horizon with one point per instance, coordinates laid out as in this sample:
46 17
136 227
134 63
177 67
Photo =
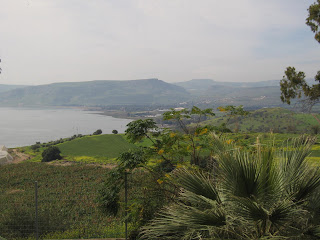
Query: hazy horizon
45 41
136 80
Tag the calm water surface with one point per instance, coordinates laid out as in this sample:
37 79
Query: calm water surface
22 127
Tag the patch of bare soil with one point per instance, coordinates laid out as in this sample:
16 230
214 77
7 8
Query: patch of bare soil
109 166
68 163
12 191
18 156
60 163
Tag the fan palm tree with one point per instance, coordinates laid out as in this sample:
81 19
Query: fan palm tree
262 194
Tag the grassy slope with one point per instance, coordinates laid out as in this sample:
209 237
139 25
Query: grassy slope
267 119
105 148
101 147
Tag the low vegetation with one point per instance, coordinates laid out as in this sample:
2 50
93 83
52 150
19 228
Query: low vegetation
66 202
153 160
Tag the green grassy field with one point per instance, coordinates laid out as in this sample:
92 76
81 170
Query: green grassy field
102 148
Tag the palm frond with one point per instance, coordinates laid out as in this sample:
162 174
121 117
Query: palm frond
271 182
302 180
306 186
251 210
198 201
315 231
282 212
176 221
293 157
197 182
239 174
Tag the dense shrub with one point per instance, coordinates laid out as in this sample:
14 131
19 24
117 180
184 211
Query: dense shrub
34 147
98 132
315 129
50 154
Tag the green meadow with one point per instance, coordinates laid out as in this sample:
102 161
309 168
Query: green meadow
103 149
100 148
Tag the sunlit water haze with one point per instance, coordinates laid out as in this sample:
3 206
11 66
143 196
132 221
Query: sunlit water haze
23 127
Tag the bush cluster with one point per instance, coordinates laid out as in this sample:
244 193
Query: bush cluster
51 153
98 132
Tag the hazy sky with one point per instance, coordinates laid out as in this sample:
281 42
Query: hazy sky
45 41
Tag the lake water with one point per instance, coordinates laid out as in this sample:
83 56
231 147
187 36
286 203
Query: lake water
22 127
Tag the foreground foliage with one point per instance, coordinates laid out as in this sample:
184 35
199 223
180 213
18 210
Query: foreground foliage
265 193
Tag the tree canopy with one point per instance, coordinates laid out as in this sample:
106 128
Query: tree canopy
313 19
293 85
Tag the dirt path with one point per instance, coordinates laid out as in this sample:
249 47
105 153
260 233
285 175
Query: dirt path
18 156
68 163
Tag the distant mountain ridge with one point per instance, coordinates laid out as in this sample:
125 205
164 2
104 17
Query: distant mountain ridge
7 87
200 92
250 94
95 93
203 84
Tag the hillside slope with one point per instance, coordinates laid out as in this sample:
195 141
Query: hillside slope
270 120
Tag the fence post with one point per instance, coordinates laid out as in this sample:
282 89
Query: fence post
126 202
36 210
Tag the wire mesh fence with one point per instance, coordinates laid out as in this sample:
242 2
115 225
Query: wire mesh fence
64 211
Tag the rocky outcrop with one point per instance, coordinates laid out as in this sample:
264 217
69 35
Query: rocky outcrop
5 157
